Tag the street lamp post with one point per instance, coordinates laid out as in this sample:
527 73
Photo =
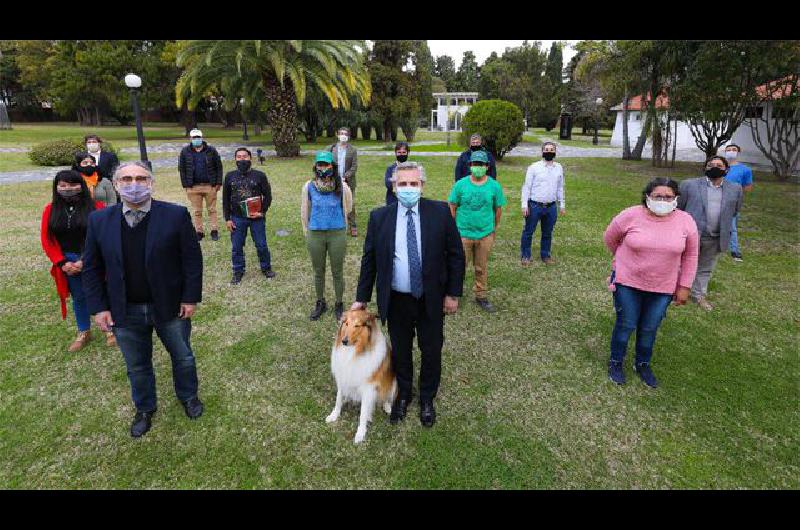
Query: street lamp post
244 123
134 82
598 102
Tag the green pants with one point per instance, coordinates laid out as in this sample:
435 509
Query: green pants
334 244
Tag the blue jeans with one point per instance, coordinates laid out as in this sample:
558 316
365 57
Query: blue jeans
135 340
548 217
639 311
258 232
734 246
78 298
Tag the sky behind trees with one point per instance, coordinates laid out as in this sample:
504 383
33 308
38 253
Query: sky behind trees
483 48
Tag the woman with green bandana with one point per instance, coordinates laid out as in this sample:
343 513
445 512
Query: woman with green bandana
324 205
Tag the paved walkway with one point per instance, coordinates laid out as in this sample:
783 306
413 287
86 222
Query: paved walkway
227 150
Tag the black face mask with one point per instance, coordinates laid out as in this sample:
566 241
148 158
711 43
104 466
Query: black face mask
70 195
87 170
402 158
715 173
243 165
548 156
475 147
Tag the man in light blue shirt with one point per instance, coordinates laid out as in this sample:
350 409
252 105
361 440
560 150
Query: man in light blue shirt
743 176
401 280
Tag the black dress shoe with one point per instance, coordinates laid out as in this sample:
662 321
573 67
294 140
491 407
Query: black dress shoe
338 310
200 236
193 408
427 414
268 273
215 235
399 410
141 423
320 308
237 278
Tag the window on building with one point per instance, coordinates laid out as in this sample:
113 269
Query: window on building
454 101
754 112
786 113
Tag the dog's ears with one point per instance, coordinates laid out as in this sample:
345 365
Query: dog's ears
371 318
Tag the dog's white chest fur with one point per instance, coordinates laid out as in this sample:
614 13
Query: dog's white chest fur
353 371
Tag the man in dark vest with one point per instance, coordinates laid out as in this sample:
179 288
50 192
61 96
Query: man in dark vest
143 270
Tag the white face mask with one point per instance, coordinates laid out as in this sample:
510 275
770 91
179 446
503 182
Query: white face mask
661 208
93 147
343 138
731 155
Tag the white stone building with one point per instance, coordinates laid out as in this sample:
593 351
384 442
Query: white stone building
742 137
453 105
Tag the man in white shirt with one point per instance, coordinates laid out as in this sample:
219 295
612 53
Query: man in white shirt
543 187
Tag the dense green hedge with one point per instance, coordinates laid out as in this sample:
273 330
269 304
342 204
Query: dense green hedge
62 152
499 123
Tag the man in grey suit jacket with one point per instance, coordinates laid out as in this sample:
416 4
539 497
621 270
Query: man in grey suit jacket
712 202
346 158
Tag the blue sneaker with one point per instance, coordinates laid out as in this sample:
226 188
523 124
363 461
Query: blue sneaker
646 374
615 372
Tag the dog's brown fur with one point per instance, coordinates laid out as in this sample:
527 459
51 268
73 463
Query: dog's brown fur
359 329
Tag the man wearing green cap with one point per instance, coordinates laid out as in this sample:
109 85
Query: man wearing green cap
477 203
324 205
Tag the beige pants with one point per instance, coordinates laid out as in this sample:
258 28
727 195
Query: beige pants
477 251
196 194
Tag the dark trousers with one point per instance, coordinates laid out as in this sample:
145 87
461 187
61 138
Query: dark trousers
258 232
135 341
639 311
548 216
407 317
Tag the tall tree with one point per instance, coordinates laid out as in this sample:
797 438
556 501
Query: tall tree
445 69
284 69
716 86
468 74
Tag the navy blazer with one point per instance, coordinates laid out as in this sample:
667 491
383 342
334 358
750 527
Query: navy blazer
173 262
462 165
107 162
443 260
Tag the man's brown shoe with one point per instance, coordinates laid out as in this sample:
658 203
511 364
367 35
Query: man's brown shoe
110 340
80 341
525 262
549 261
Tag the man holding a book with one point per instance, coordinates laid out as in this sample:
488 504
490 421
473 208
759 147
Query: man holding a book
246 196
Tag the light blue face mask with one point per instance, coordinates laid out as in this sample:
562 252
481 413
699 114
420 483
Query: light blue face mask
197 142
408 196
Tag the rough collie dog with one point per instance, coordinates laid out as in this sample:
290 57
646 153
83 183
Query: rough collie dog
362 366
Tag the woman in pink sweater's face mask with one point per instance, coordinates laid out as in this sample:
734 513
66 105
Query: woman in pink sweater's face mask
655 249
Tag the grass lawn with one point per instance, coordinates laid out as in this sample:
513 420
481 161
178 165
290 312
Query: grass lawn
538 135
524 401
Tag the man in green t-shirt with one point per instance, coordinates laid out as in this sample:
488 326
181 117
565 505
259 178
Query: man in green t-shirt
477 203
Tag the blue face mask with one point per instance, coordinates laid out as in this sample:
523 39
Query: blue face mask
197 142
408 196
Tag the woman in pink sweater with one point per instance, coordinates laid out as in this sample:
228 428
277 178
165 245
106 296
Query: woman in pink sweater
655 249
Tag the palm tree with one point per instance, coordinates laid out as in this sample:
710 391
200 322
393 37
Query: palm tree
283 70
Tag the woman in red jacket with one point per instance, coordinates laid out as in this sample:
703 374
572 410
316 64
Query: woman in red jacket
64 223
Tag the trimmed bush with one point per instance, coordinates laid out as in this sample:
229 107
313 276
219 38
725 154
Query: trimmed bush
500 124
61 152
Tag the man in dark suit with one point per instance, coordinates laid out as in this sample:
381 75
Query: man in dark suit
462 164
413 253
106 161
143 269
